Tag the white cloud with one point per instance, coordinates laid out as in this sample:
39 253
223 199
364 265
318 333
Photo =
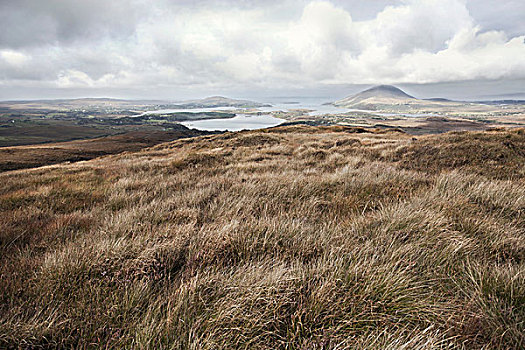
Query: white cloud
173 44
73 78
321 39
418 25
14 58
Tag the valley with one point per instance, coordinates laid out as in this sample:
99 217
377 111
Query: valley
63 124
266 175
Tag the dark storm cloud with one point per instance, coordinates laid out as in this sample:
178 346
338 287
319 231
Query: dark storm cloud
54 22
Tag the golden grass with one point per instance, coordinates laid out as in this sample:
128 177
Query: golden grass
294 237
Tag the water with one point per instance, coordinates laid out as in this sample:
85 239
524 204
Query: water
316 106
242 121
237 123
314 109
400 114
190 110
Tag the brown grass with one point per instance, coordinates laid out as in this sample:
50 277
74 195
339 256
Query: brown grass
31 156
295 238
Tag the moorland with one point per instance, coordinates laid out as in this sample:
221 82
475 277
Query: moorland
390 223
293 237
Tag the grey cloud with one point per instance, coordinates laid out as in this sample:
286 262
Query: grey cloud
50 22
499 15
167 44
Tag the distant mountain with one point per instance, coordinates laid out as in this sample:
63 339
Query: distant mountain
84 101
438 99
516 96
382 95
391 98
218 101
120 104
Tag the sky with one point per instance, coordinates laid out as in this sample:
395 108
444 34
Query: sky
169 49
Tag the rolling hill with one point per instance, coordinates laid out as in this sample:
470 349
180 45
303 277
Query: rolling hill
382 94
295 237
126 105
219 101
389 97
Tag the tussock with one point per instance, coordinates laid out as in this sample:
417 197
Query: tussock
294 237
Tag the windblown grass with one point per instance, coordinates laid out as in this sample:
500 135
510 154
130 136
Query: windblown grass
294 238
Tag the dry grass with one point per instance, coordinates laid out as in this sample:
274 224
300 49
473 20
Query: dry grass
36 155
294 238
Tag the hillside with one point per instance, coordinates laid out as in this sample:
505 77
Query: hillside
388 97
295 237
97 104
219 101
382 94
30 156
386 92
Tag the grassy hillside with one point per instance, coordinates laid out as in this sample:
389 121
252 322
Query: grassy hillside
296 238
31 156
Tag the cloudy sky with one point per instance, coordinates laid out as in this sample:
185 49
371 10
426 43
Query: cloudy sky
180 48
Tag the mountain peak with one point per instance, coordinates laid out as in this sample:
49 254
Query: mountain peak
379 94
386 90
216 98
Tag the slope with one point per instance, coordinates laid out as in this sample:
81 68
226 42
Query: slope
293 237
382 94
